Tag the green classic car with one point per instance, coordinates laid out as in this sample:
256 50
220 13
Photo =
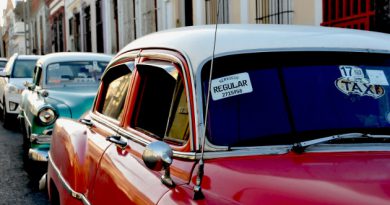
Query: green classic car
64 85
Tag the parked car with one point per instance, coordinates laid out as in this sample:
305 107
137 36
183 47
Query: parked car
64 85
296 115
3 62
19 69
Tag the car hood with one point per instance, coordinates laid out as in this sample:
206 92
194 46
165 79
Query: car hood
77 99
308 178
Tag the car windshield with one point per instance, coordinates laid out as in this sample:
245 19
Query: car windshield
23 68
282 98
69 73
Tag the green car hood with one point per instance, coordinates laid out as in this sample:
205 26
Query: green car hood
77 99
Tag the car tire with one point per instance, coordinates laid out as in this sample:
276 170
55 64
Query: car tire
6 117
24 131
1 112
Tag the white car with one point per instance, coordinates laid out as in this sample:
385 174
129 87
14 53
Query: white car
18 70
3 62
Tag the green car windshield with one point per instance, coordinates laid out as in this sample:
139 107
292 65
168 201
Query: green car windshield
68 73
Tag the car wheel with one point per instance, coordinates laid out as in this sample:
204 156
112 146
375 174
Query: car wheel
1 111
6 117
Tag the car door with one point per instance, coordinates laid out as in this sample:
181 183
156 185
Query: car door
158 110
78 160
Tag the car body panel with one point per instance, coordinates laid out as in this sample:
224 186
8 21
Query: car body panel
138 184
330 173
310 178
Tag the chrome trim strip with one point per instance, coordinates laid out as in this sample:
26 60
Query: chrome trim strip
284 149
357 147
26 119
132 137
107 124
66 185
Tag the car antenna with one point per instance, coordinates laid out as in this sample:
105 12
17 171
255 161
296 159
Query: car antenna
198 194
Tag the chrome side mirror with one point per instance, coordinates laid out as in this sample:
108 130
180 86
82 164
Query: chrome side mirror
157 156
44 93
28 85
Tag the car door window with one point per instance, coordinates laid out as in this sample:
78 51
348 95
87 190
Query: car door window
161 105
115 88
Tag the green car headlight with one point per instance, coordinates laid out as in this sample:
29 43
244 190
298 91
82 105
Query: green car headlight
47 116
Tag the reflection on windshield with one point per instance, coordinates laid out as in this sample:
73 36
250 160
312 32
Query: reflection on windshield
2 64
23 68
258 100
86 72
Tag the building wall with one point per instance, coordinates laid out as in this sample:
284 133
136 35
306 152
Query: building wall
44 30
307 12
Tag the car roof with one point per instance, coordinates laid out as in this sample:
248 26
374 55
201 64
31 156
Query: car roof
28 57
72 56
196 42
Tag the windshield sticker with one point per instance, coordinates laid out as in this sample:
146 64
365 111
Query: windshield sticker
377 77
230 86
55 66
353 81
351 72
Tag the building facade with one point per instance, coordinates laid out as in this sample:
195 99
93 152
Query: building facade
371 15
13 28
106 26
37 28
349 14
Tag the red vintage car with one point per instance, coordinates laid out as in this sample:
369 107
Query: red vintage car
275 115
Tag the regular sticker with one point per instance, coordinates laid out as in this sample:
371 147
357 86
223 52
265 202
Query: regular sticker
230 86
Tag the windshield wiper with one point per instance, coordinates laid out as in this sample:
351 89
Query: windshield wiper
301 146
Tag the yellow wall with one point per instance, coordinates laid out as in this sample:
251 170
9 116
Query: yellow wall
307 12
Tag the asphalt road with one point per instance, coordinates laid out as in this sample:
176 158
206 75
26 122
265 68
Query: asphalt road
16 185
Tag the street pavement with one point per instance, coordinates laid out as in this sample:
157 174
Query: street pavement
16 185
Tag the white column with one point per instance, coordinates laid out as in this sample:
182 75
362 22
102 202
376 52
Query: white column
165 14
93 25
169 17
107 26
244 11
121 23
82 27
139 18
318 12
199 12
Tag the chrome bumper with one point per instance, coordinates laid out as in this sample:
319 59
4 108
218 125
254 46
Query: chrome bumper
40 146
38 154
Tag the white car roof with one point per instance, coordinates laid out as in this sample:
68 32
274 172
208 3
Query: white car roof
72 56
27 57
196 43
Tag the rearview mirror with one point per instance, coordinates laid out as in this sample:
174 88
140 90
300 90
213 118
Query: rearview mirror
157 156
29 86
